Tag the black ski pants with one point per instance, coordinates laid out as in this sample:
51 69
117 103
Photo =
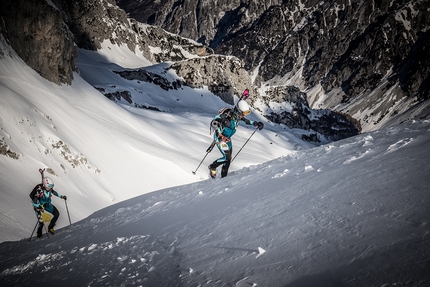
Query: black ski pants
224 161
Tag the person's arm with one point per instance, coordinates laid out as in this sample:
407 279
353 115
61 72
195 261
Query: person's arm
260 125
248 122
59 195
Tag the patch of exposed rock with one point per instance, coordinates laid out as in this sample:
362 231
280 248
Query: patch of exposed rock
38 34
224 76
332 125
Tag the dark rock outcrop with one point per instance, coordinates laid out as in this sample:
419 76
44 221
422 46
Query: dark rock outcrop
333 126
224 76
93 22
145 76
38 34
46 34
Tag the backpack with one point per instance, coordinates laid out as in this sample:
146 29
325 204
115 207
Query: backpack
35 192
223 114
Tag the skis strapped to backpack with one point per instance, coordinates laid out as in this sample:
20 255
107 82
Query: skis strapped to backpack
34 191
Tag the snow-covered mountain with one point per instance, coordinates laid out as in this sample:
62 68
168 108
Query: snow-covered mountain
51 48
290 213
368 59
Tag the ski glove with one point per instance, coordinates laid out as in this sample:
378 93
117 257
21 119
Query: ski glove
260 125
64 197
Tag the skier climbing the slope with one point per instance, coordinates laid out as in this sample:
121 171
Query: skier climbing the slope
41 200
225 124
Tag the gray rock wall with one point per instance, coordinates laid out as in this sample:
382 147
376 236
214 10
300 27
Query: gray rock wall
224 76
38 34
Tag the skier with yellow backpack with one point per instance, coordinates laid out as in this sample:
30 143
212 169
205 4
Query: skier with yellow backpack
41 200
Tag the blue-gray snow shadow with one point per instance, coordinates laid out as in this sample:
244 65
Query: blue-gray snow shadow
405 263
320 280
161 213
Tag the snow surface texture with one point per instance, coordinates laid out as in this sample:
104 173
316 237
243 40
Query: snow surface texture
349 213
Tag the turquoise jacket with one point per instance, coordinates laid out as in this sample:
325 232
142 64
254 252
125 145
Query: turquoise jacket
42 197
227 125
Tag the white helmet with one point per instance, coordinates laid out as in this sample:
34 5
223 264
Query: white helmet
243 107
48 182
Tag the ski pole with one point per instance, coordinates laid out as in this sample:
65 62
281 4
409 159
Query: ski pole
244 144
209 149
37 222
68 214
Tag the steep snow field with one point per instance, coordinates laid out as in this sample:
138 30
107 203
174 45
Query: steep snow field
351 213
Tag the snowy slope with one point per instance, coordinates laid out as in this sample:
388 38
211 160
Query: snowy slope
350 213
99 152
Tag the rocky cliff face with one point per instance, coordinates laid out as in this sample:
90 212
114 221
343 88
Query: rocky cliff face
36 31
90 23
368 59
333 126
224 76
209 22
46 34
93 22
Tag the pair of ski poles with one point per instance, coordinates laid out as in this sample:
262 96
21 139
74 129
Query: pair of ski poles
37 222
46 230
214 143
65 201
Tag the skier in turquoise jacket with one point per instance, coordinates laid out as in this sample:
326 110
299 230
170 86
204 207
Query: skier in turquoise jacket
225 125
41 200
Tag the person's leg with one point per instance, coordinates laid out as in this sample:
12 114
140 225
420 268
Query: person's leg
226 164
56 214
220 161
40 229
